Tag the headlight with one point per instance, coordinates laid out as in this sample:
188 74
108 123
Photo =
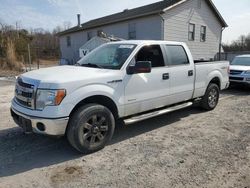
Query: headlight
46 97
247 72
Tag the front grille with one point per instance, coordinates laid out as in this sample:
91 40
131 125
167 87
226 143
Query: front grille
24 103
23 84
24 94
235 72
236 78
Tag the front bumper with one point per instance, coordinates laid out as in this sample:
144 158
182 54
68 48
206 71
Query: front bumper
240 79
53 127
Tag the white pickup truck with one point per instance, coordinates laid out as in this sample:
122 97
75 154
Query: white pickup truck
128 80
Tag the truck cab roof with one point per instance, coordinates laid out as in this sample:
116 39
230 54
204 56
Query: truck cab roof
143 42
246 55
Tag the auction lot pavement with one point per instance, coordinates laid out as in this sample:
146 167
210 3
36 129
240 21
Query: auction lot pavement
186 148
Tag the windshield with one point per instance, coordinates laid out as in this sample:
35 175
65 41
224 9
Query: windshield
108 56
244 61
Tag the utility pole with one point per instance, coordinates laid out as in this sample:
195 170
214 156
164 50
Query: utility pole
242 43
37 58
17 30
29 56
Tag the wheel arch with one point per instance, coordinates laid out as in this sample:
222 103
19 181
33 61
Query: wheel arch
98 99
215 80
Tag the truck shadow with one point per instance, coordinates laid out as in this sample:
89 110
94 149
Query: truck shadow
20 153
236 90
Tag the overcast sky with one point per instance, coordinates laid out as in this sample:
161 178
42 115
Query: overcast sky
50 13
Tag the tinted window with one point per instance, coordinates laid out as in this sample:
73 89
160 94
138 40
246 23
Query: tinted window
151 53
176 55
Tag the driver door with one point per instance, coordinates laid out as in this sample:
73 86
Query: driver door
147 91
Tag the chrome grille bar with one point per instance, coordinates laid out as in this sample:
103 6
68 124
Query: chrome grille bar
25 94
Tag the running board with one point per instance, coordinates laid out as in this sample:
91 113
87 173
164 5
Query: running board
156 113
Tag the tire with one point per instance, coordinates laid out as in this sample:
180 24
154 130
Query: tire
211 97
90 128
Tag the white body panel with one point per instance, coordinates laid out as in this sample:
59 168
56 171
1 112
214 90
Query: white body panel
134 93
205 72
146 91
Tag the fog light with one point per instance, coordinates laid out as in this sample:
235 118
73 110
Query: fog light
40 126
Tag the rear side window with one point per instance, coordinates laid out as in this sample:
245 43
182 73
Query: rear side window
151 53
176 55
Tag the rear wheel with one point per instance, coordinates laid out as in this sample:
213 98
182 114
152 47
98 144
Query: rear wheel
211 97
90 128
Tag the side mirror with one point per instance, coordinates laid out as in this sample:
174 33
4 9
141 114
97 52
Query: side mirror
139 67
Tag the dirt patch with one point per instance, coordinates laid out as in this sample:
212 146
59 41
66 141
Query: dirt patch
70 173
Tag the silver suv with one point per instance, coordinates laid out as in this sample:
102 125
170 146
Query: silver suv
240 69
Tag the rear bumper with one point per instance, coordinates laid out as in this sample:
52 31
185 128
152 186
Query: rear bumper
53 127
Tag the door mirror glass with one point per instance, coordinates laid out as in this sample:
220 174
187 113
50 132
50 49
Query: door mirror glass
139 67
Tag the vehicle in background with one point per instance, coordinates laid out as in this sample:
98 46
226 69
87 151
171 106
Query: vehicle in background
240 70
127 80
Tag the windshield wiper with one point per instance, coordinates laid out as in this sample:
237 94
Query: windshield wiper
92 65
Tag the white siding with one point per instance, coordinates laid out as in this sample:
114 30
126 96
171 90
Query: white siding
176 25
146 28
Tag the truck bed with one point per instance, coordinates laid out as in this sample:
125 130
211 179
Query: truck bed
206 70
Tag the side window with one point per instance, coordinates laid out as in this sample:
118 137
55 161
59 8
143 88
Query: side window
176 55
191 32
68 41
151 53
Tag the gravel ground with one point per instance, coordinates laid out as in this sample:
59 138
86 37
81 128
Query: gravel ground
187 148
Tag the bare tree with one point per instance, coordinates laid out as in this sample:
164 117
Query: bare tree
66 25
241 44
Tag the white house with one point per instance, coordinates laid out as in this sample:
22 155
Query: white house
195 22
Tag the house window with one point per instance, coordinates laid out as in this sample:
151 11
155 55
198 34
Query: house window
132 31
191 32
203 33
68 40
199 4
90 35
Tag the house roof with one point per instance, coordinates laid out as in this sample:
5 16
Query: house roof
128 14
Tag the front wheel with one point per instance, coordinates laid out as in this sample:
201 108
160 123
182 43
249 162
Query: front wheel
211 97
90 128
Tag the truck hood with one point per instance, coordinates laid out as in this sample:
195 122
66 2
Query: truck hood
239 67
60 75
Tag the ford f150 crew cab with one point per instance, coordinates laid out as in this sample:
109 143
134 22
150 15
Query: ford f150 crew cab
128 80
240 70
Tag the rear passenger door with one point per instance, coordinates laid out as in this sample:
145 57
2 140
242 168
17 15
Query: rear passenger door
147 91
181 73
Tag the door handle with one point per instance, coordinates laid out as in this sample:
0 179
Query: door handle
165 76
190 73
